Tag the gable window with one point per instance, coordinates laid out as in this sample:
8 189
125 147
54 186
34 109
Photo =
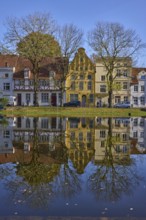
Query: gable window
6 86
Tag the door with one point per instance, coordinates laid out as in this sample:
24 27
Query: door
19 99
53 99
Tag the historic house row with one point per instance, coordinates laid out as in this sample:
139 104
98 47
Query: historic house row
60 82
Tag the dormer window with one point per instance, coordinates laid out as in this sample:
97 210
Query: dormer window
26 73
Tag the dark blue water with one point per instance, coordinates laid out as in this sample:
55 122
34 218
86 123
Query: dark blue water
72 179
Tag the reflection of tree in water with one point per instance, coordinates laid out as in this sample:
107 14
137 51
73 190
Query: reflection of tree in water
37 183
68 182
112 178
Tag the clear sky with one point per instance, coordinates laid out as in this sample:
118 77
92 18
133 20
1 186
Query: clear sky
83 13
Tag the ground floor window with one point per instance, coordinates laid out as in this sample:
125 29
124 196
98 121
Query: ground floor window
135 100
45 98
142 100
73 97
117 99
125 98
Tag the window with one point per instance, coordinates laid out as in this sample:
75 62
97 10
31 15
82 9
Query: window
45 98
118 72
135 88
135 122
142 134
81 76
102 88
125 98
28 97
6 134
6 86
89 85
6 75
81 85
102 133
31 82
89 77
125 85
72 86
42 82
102 144
142 88
103 78
72 135
135 134
135 100
44 123
125 73
89 137
73 124
91 98
81 136
143 77
73 77
142 100
117 148
26 72
73 97
27 123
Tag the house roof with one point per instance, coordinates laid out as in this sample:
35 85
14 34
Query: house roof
135 72
48 64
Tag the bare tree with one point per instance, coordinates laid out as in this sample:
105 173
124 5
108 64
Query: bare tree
111 41
32 37
70 39
18 28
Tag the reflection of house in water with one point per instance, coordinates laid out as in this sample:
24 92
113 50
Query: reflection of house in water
116 139
80 141
47 131
138 134
6 134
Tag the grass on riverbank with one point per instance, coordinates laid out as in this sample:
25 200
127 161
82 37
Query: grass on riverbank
71 112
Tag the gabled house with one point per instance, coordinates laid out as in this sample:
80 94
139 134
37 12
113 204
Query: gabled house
48 89
138 87
80 83
121 85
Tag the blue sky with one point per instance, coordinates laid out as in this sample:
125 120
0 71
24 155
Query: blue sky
83 13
